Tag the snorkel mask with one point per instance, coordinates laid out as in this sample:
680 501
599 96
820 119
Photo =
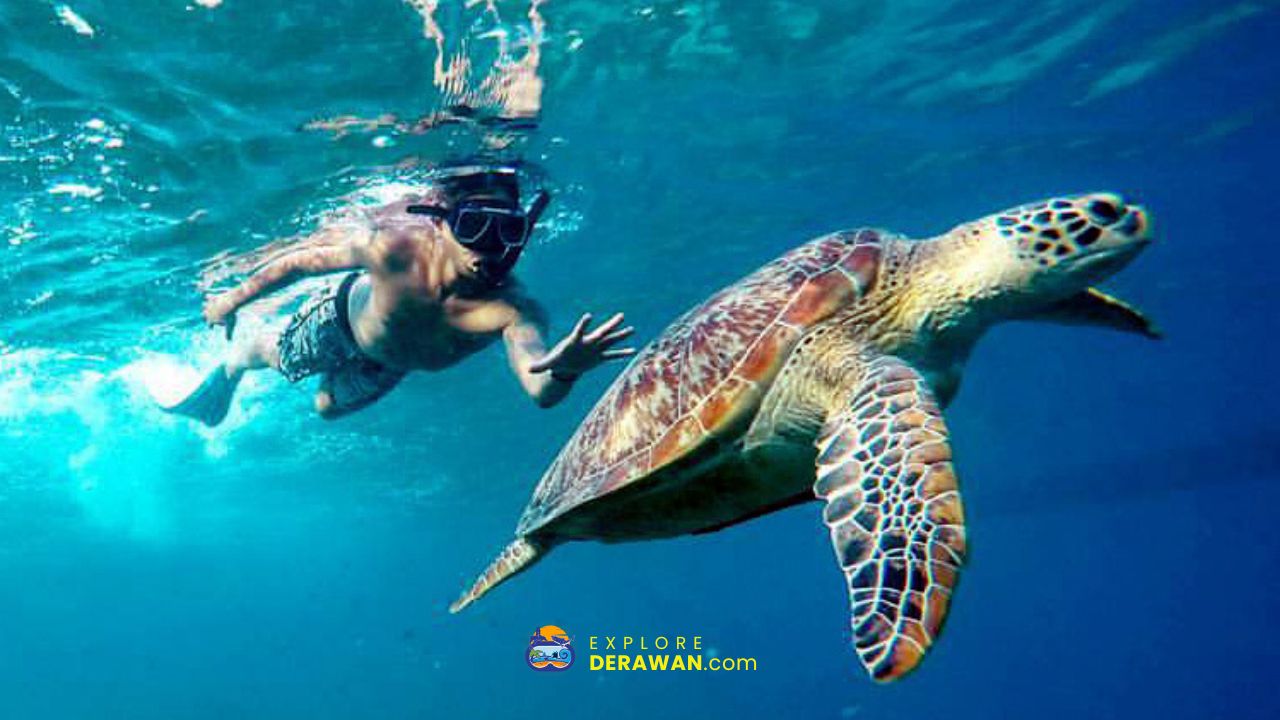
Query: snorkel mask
485 215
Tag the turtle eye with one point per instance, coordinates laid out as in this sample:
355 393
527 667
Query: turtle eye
1104 211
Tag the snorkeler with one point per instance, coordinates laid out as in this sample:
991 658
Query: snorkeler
430 284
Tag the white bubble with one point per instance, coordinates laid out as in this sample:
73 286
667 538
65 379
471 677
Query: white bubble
74 21
75 190
165 379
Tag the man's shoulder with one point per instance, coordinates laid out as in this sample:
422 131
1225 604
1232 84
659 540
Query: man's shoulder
514 293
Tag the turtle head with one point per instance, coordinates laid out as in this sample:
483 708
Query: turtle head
1033 256
1037 261
1064 245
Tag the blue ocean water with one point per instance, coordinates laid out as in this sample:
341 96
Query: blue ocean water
1119 491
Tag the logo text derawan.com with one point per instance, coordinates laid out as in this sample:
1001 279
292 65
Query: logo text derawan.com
633 658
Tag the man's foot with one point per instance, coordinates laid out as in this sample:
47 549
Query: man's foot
209 402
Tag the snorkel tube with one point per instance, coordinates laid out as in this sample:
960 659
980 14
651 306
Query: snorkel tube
540 203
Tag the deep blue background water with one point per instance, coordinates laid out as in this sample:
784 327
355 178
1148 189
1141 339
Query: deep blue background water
1120 492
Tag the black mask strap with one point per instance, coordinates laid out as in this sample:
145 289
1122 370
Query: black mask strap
434 211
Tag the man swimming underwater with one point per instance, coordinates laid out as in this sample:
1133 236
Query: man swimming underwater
430 285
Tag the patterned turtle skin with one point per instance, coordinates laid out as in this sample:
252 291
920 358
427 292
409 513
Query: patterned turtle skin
706 374
823 375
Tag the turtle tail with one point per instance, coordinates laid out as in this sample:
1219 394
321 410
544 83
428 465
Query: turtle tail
520 554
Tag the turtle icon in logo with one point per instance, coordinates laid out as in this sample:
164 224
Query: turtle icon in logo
549 649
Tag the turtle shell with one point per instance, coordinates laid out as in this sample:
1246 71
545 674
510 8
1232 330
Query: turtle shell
705 374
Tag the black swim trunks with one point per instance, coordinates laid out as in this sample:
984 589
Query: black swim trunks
319 341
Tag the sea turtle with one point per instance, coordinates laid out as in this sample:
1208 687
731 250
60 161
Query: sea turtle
820 376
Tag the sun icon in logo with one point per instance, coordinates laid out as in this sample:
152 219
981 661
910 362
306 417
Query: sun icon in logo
549 649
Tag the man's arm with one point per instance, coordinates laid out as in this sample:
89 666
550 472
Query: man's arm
548 376
339 251
525 346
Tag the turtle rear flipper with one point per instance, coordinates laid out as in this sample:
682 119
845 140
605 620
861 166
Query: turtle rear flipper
518 556
893 509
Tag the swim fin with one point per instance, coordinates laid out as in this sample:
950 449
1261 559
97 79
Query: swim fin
209 402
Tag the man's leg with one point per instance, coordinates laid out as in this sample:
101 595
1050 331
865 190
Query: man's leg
312 342
353 388
210 402
260 351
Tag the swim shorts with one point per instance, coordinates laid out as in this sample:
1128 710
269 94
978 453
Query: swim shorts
319 341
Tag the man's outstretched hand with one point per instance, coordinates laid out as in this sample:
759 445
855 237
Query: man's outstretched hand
581 351
217 308
220 309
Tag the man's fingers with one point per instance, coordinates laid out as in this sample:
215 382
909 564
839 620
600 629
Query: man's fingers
213 316
541 365
616 337
581 326
604 329
618 353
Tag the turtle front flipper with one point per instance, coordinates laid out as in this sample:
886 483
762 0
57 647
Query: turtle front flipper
894 511
1093 307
